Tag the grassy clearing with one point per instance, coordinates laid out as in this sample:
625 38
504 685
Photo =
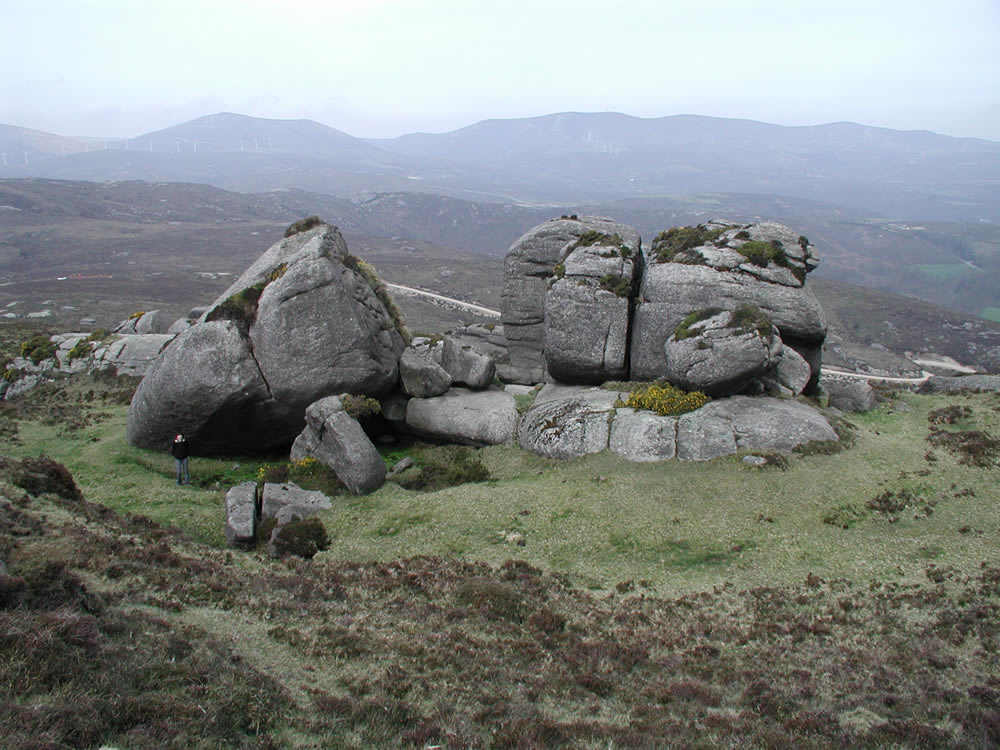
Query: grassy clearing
705 603
990 313
676 526
944 271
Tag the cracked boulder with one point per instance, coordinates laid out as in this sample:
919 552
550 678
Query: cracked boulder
587 310
529 267
721 353
305 321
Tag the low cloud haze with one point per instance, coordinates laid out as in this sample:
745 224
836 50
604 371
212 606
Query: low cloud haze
382 68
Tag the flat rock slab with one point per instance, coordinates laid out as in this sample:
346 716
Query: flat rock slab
241 514
305 503
463 416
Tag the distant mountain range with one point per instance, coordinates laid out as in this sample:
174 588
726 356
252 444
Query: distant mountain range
557 159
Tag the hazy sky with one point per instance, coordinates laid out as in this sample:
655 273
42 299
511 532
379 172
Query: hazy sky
381 68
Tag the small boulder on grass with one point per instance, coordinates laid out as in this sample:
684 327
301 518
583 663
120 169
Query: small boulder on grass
850 395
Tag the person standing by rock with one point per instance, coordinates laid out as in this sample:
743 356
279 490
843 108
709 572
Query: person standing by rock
181 450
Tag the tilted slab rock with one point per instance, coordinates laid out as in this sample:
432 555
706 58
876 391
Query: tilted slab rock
528 267
241 514
793 371
280 500
463 416
486 338
466 365
334 437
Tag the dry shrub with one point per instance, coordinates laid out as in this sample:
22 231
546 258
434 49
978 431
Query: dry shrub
301 537
973 447
40 475
498 600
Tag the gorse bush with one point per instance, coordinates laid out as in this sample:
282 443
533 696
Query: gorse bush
82 348
666 400
38 348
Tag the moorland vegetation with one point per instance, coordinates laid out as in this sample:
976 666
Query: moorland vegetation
817 599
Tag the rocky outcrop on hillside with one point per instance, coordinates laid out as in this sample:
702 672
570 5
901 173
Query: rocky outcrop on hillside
723 266
582 305
305 321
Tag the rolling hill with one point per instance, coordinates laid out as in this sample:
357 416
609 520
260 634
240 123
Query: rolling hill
89 250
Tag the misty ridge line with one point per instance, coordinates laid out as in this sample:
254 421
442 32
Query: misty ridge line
255 142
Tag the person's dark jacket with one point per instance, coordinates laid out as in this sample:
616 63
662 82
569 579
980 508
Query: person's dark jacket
179 448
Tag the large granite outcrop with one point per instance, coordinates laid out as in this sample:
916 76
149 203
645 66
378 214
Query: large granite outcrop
528 268
716 274
303 322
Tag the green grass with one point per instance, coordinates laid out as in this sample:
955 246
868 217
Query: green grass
990 313
944 271
709 603
681 526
